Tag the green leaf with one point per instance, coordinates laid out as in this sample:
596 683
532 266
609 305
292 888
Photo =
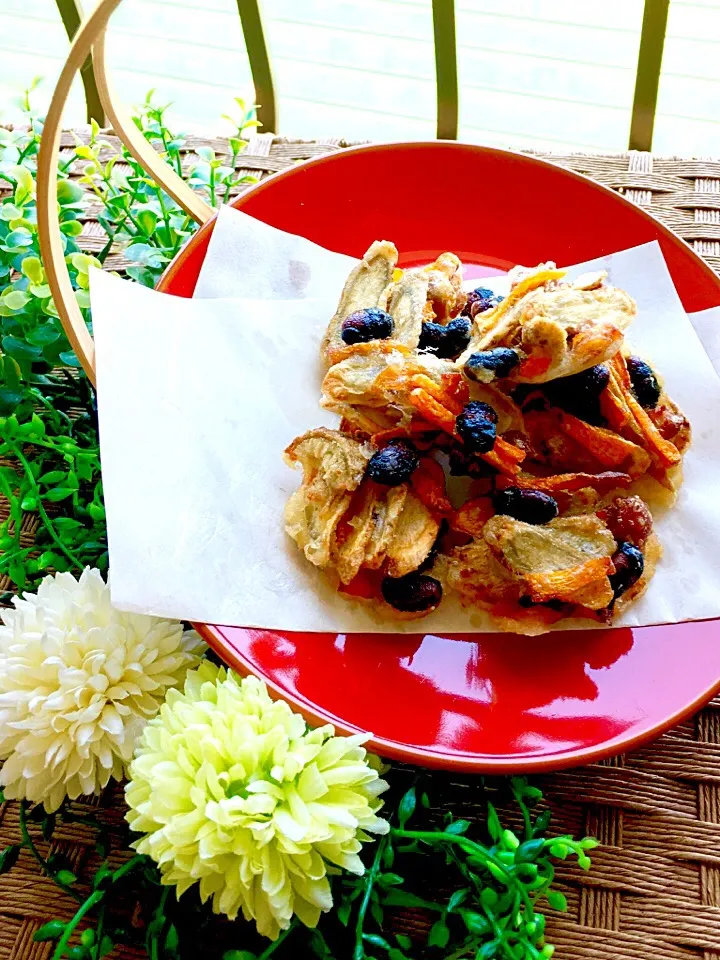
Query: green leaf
488 898
403 941
20 349
9 211
206 153
529 850
66 876
71 228
475 922
43 334
53 477
15 299
457 898
9 400
488 951
52 930
23 179
542 821
406 807
589 843
32 268
375 940
58 493
559 850
403 898
17 239
458 827
147 219
69 191
343 912
239 955
557 900
8 857
439 934
493 823
69 358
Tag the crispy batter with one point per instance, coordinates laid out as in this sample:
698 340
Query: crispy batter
501 325
406 306
368 285
413 537
333 466
562 328
381 378
444 292
475 574
552 560
372 522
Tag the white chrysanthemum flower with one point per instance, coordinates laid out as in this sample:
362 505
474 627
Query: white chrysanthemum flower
78 682
234 791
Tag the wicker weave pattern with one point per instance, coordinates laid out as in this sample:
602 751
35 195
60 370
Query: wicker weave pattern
654 889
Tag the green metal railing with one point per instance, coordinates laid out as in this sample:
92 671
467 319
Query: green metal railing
647 77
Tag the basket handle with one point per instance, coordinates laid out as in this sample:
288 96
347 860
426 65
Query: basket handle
90 37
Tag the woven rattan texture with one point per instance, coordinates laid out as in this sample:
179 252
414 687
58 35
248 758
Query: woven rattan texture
654 889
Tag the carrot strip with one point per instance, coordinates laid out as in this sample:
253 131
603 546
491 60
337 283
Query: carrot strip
609 448
428 483
456 386
533 367
508 450
518 292
618 365
506 466
562 584
472 516
423 382
665 451
432 411
613 406
567 482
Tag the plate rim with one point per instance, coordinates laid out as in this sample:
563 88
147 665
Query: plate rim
462 762
333 156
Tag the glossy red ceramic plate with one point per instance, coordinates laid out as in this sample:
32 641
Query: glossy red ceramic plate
477 701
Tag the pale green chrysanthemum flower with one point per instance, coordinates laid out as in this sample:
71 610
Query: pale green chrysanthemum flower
78 682
233 791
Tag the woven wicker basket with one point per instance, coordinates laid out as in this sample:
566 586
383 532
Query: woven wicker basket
654 890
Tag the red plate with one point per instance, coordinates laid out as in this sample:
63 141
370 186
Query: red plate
480 702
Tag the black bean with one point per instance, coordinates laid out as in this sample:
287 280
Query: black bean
530 506
487 365
629 565
644 382
477 426
365 325
394 464
448 341
413 593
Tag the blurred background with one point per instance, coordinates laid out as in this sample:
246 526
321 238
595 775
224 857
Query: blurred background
554 75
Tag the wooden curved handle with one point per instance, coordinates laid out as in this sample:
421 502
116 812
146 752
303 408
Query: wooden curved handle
91 32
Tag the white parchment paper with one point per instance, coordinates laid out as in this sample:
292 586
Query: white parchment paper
198 398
